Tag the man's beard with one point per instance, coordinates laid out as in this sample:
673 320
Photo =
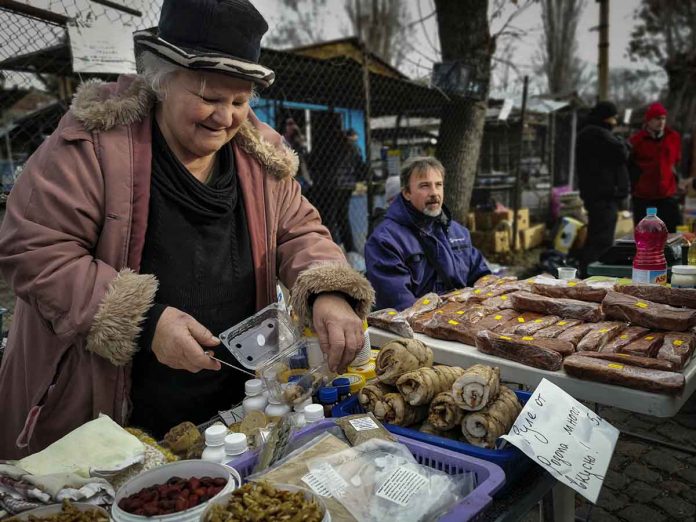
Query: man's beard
432 212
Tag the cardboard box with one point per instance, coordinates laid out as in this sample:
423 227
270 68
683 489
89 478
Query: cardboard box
492 242
531 237
471 221
490 220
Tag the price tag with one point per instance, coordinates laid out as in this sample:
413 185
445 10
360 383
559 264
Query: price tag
364 424
527 338
426 301
564 437
616 366
392 313
520 319
640 304
677 342
401 485
453 322
562 323
498 317
504 297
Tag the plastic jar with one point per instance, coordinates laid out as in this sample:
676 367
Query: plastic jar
366 370
255 399
342 384
365 353
315 357
235 445
276 408
328 398
214 443
313 413
684 276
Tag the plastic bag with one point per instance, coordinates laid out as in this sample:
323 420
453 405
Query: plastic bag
380 480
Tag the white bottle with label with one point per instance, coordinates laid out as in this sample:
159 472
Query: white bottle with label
255 399
214 443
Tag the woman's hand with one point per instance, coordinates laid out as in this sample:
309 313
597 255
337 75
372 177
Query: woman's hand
178 342
338 328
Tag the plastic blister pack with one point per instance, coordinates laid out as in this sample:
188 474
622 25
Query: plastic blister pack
295 374
262 336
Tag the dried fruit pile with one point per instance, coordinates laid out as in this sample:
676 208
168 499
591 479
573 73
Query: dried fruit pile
178 494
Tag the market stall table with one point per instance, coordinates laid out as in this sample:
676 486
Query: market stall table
459 354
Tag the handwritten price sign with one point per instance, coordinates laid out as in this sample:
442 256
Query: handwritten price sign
567 439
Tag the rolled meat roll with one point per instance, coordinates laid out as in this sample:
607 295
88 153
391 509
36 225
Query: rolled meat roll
444 413
421 386
476 387
400 356
484 427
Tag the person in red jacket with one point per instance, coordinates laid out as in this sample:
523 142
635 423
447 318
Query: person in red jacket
656 154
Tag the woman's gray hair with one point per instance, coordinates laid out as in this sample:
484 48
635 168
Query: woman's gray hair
419 164
158 72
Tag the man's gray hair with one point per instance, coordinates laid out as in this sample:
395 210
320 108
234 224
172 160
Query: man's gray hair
158 72
419 164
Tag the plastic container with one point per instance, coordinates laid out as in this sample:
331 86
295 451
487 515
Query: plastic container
357 382
313 413
683 276
276 408
342 384
255 400
365 353
235 445
309 495
328 398
367 371
510 459
566 272
490 477
214 443
650 265
185 469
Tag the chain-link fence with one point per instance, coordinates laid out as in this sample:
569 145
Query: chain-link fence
350 116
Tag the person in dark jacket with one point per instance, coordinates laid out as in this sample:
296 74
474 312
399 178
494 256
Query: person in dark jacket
602 165
654 160
417 248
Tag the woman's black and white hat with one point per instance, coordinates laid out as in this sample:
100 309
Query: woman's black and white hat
214 35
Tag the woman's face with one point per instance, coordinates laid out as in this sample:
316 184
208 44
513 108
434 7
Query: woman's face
201 112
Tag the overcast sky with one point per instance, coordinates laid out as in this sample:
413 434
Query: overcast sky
335 25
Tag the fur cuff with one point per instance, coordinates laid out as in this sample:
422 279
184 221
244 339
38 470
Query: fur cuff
331 277
117 322
281 162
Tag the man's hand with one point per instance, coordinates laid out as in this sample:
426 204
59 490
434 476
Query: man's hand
338 328
686 184
178 342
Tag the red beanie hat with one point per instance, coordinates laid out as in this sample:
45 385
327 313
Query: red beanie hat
654 111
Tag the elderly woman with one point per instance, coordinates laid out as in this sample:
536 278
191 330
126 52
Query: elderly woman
160 211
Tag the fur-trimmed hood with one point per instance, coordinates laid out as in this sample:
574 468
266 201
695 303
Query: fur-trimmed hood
101 106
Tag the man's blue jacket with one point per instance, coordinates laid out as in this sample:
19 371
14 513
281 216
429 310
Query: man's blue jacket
399 270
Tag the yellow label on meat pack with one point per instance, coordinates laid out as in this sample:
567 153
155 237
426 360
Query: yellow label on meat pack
504 297
623 336
527 338
506 337
489 294
426 301
477 291
603 330
537 321
498 317
452 321
649 337
460 312
391 313
562 323
520 319
641 304
677 342
572 284
622 355
615 366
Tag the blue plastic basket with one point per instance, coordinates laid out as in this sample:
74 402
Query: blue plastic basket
513 461
489 477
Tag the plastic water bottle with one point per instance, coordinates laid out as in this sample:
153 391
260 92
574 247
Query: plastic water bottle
650 265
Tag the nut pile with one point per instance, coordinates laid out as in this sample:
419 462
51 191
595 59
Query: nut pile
176 495
70 513
261 501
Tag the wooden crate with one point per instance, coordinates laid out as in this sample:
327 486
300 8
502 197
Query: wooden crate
489 220
531 237
489 241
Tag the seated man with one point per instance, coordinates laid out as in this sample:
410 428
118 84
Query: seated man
417 248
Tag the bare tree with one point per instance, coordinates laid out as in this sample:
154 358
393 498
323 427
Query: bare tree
381 24
558 58
300 26
666 35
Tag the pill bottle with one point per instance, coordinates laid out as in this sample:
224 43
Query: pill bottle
235 445
328 398
313 413
214 443
255 399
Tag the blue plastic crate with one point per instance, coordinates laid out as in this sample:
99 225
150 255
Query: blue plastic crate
513 461
489 477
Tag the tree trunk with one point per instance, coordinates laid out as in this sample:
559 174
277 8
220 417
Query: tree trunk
681 75
464 35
